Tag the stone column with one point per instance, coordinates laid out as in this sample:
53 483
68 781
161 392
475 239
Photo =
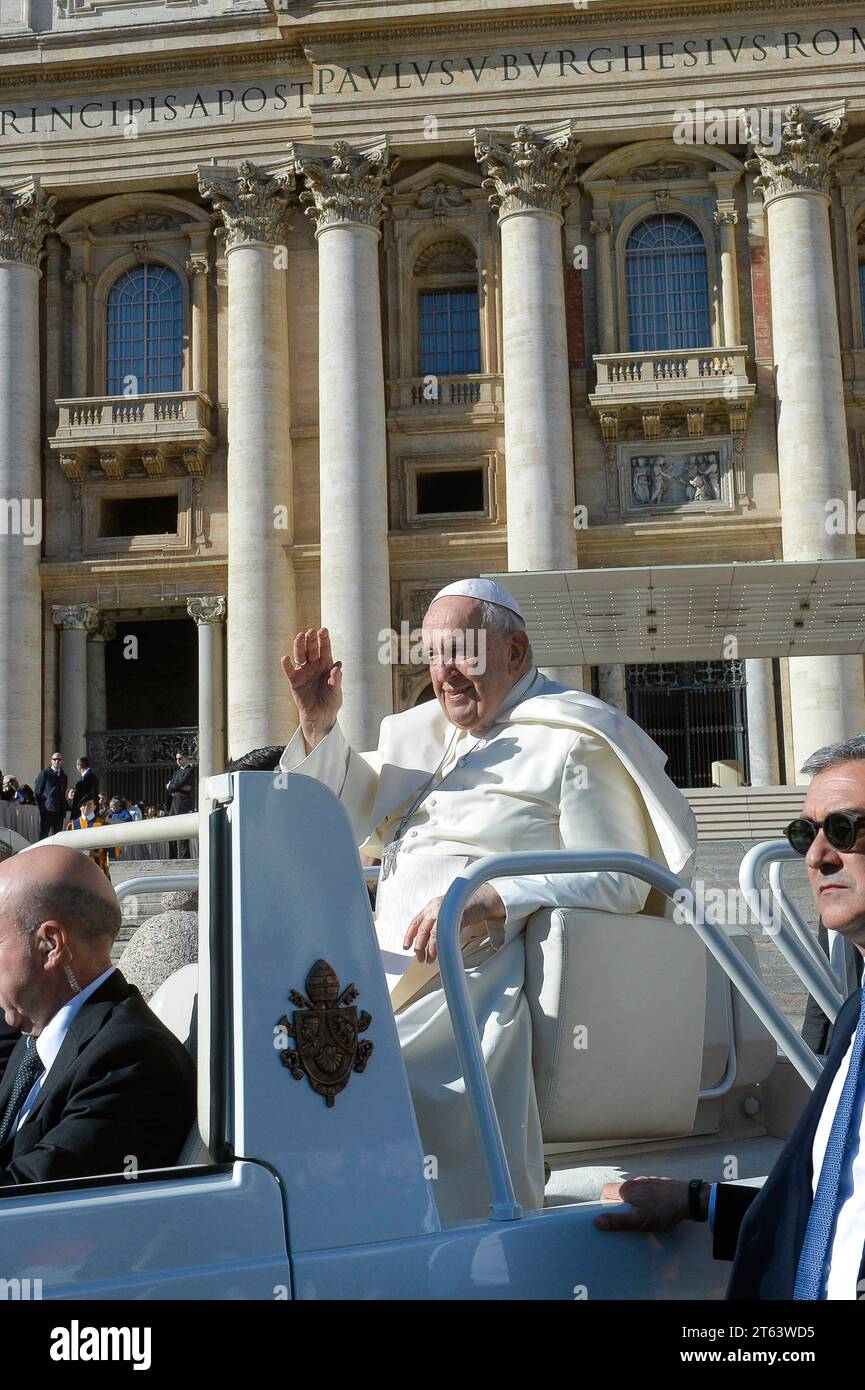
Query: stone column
78 276
344 193
74 621
726 218
527 181
762 725
828 701
601 227
209 615
261 583
611 686
97 715
25 215
197 266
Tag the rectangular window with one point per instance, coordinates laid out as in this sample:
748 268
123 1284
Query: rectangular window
138 516
449 332
445 490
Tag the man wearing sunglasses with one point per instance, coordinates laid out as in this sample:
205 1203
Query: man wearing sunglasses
802 1235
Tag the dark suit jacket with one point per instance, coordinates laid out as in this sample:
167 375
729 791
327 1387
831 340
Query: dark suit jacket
121 1085
87 786
816 1029
770 1222
181 791
50 790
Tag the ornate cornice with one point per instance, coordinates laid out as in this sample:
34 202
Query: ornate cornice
25 216
207 608
346 186
809 150
75 615
531 174
269 57
252 205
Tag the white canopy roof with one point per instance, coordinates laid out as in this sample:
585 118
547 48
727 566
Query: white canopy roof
690 612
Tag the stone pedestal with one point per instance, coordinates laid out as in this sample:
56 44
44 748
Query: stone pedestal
344 189
261 585
74 622
828 699
762 724
209 615
25 215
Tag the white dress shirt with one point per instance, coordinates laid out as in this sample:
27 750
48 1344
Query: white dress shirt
50 1040
845 1252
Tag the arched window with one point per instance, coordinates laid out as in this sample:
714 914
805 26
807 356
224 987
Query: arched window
449 326
667 285
145 331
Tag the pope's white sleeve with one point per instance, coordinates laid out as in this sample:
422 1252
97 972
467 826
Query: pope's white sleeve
601 808
351 776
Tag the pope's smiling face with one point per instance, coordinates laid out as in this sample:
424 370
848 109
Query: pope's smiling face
838 877
472 668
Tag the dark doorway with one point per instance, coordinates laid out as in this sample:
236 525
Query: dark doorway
151 674
695 711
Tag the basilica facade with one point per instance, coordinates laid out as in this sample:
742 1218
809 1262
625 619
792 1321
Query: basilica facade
308 309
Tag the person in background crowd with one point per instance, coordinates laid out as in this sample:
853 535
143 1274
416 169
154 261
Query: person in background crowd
87 786
89 820
151 813
134 809
180 799
50 792
10 789
117 812
103 805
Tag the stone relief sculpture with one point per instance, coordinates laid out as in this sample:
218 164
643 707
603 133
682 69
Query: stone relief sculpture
669 481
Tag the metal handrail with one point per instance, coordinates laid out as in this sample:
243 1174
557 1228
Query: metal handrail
504 1206
158 883
142 832
798 923
812 971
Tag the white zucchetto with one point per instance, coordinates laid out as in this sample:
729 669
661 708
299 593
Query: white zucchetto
485 590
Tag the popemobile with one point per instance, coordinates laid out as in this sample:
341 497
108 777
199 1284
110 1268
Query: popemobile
305 1175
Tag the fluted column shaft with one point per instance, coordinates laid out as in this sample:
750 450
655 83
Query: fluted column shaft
24 217
261 584
828 699
209 615
344 191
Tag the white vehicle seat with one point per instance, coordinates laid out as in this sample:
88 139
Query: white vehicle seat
174 1003
618 1007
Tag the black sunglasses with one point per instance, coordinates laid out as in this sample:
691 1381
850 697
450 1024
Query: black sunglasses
840 828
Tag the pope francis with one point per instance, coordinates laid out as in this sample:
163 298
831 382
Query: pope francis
502 759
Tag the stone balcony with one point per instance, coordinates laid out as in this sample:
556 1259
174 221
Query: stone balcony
114 433
650 389
433 398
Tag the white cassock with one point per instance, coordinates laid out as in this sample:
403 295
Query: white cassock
559 769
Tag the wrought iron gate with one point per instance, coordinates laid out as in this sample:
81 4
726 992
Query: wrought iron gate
138 762
695 711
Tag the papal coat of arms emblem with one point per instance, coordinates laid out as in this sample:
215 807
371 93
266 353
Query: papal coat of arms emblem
325 1029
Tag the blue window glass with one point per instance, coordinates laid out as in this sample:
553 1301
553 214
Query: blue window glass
145 331
667 285
450 341
862 291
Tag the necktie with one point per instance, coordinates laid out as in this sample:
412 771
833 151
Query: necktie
29 1071
844 1132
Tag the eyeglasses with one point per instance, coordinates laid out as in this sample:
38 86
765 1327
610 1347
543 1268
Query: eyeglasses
840 828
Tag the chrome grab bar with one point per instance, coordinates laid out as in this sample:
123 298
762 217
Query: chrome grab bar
157 883
504 1206
142 832
802 954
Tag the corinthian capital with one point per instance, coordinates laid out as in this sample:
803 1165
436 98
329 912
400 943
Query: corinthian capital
800 157
531 174
206 608
25 216
253 205
346 185
72 615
